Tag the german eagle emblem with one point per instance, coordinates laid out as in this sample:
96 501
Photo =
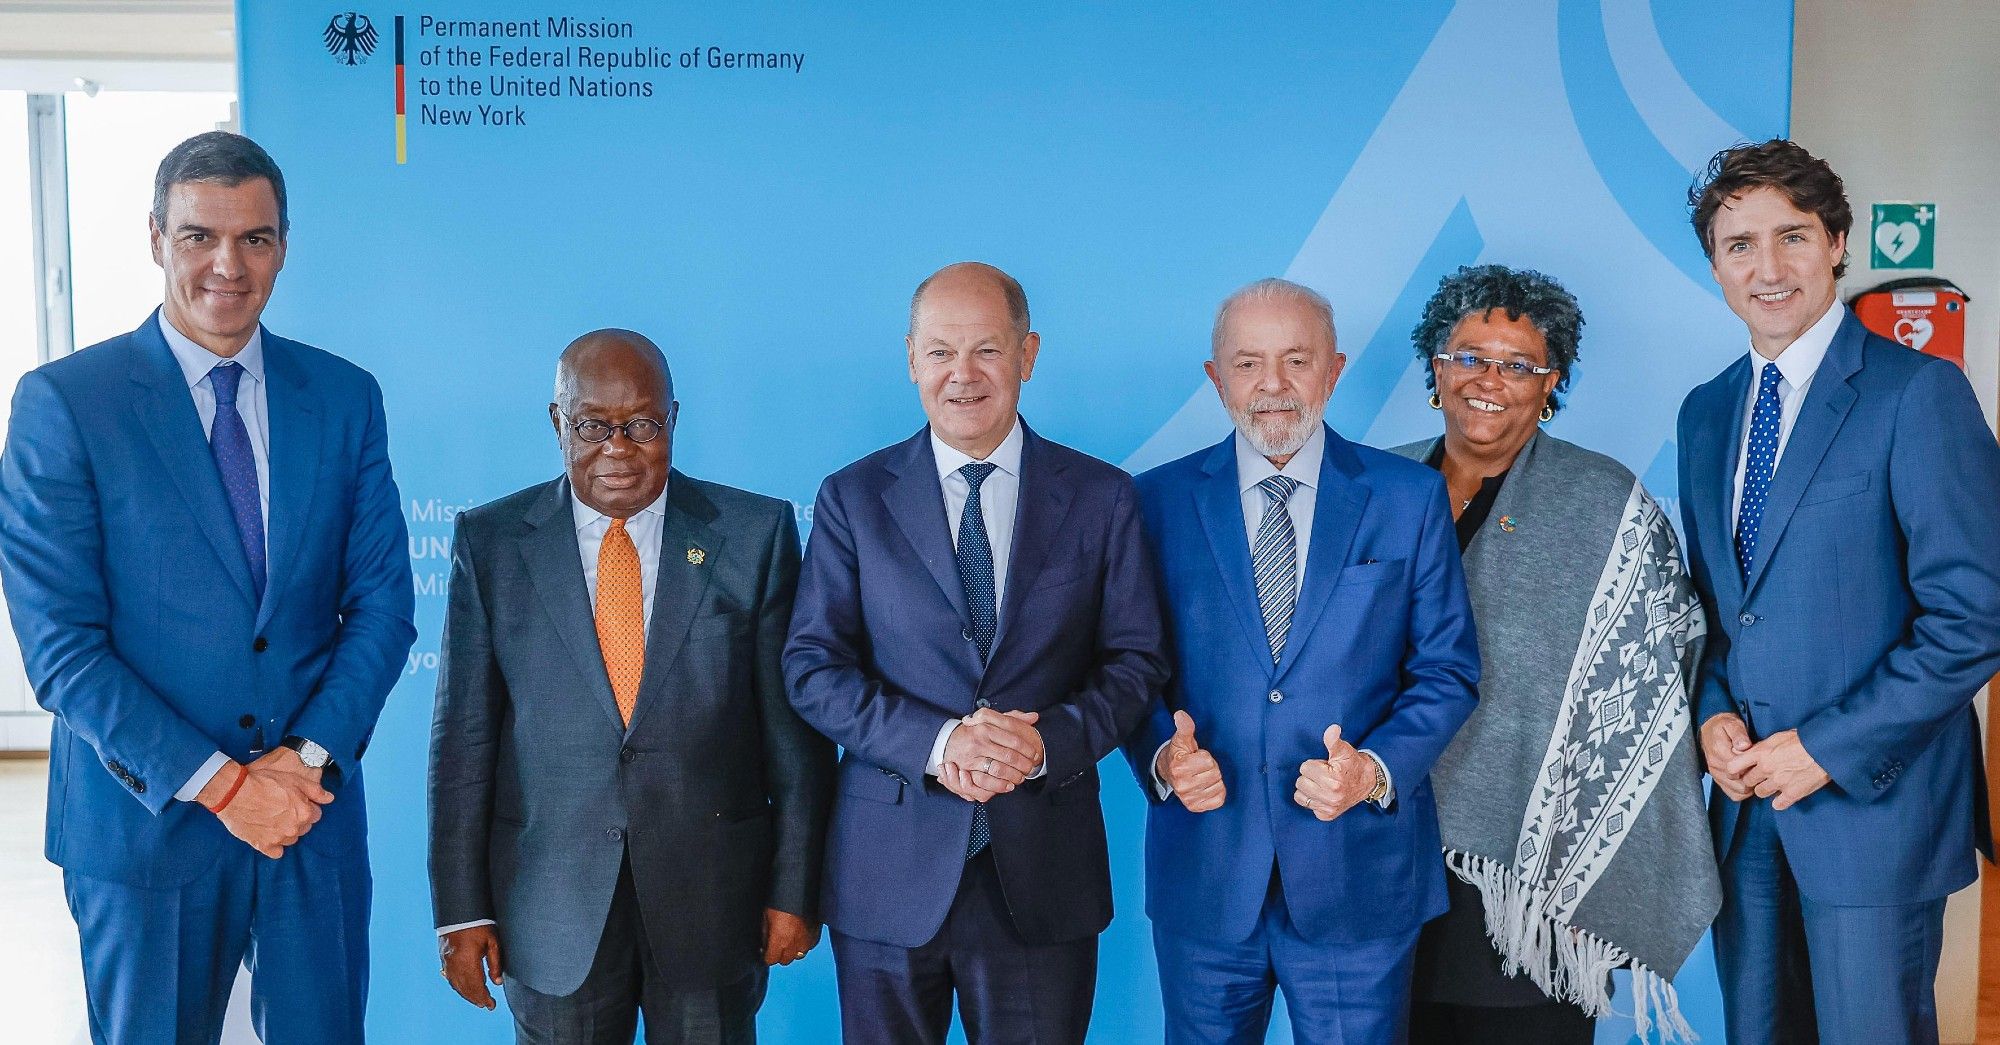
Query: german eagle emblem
350 38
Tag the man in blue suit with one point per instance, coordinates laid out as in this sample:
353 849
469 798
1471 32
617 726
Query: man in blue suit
1324 654
977 625
1837 490
206 566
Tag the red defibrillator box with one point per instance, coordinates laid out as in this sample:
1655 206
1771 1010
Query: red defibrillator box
1924 313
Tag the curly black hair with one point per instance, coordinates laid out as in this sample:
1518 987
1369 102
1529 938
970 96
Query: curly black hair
1476 290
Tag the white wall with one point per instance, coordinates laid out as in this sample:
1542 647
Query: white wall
1903 99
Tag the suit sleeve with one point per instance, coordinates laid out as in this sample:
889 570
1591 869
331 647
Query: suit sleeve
1441 664
53 551
798 762
826 659
1156 726
465 731
376 606
1131 654
1944 479
1712 695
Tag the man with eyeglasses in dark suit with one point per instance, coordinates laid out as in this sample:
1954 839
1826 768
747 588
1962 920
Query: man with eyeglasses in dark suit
626 814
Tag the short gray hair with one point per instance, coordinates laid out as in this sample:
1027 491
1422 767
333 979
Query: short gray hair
1010 288
222 157
1272 288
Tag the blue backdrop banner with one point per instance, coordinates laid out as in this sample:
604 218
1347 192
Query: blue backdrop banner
759 186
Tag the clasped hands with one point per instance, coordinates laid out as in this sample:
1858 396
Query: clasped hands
991 753
1328 787
278 802
1777 767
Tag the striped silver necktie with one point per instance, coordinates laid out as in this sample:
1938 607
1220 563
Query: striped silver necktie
1274 561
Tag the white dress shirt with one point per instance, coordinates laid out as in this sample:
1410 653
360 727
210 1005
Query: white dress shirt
1303 468
1796 364
252 403
999 499
644 527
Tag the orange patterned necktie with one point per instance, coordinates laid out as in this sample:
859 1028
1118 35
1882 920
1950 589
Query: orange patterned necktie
621 616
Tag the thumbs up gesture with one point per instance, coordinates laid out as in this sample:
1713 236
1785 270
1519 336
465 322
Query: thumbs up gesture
1332 785
1191 772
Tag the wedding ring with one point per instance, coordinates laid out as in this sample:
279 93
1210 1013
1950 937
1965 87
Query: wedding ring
989 767
801 954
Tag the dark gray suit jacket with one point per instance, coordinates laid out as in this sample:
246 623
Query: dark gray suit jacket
718 791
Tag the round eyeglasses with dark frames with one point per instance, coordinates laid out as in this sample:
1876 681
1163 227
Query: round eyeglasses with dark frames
1510 368
638 429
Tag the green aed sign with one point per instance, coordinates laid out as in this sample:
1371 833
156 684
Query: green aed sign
1904 236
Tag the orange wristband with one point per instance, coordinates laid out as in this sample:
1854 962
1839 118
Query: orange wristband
242 774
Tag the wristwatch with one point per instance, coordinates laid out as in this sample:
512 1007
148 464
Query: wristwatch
313 755
1381 788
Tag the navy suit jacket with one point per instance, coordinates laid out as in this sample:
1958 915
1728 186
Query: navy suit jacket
881 657
132 598
1870 617
1382 642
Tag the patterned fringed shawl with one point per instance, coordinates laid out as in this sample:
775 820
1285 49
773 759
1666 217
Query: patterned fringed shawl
1572 798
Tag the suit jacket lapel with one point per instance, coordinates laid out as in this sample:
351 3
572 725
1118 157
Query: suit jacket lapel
680 586
295 431
1219 503
556 570
166 413
1038 517
916 501
1820 417
1718 444
1337 508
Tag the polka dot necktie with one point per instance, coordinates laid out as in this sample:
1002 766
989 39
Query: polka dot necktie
1274 561
1760 460
975 573
621 616
229 441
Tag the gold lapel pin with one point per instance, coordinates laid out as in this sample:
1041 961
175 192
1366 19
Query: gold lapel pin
696 556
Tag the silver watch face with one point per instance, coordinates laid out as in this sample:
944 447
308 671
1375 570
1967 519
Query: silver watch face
313 755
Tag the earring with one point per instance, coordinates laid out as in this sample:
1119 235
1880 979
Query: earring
1436 403
1548 412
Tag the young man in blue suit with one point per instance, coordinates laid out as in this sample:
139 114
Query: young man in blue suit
977 625
1837 490
207 569
1324 654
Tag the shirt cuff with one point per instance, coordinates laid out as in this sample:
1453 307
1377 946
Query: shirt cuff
936 764
1153 770
192 789
1388 782
447 930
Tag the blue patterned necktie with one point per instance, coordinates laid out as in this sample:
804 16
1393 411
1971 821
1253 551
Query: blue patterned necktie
229 441
1760 460
1274 560
975 573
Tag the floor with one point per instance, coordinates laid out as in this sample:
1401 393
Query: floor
41 975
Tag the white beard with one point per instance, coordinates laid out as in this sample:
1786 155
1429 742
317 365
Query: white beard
1274 439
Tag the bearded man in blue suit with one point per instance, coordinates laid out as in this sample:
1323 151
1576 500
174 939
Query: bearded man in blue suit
206 565
1324 655
1837 490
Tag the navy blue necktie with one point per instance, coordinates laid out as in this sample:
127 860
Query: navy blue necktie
975 573
1760 460
229 441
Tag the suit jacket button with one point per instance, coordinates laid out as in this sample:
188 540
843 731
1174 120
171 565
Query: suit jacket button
138 786
628 756
247 721
616 834
1277 697
261 644
1746 619
966 633
982 702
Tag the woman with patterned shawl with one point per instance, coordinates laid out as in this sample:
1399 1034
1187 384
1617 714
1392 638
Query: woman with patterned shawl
1570 805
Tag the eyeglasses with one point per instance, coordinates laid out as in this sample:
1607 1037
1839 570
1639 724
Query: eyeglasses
1512 369
638 429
